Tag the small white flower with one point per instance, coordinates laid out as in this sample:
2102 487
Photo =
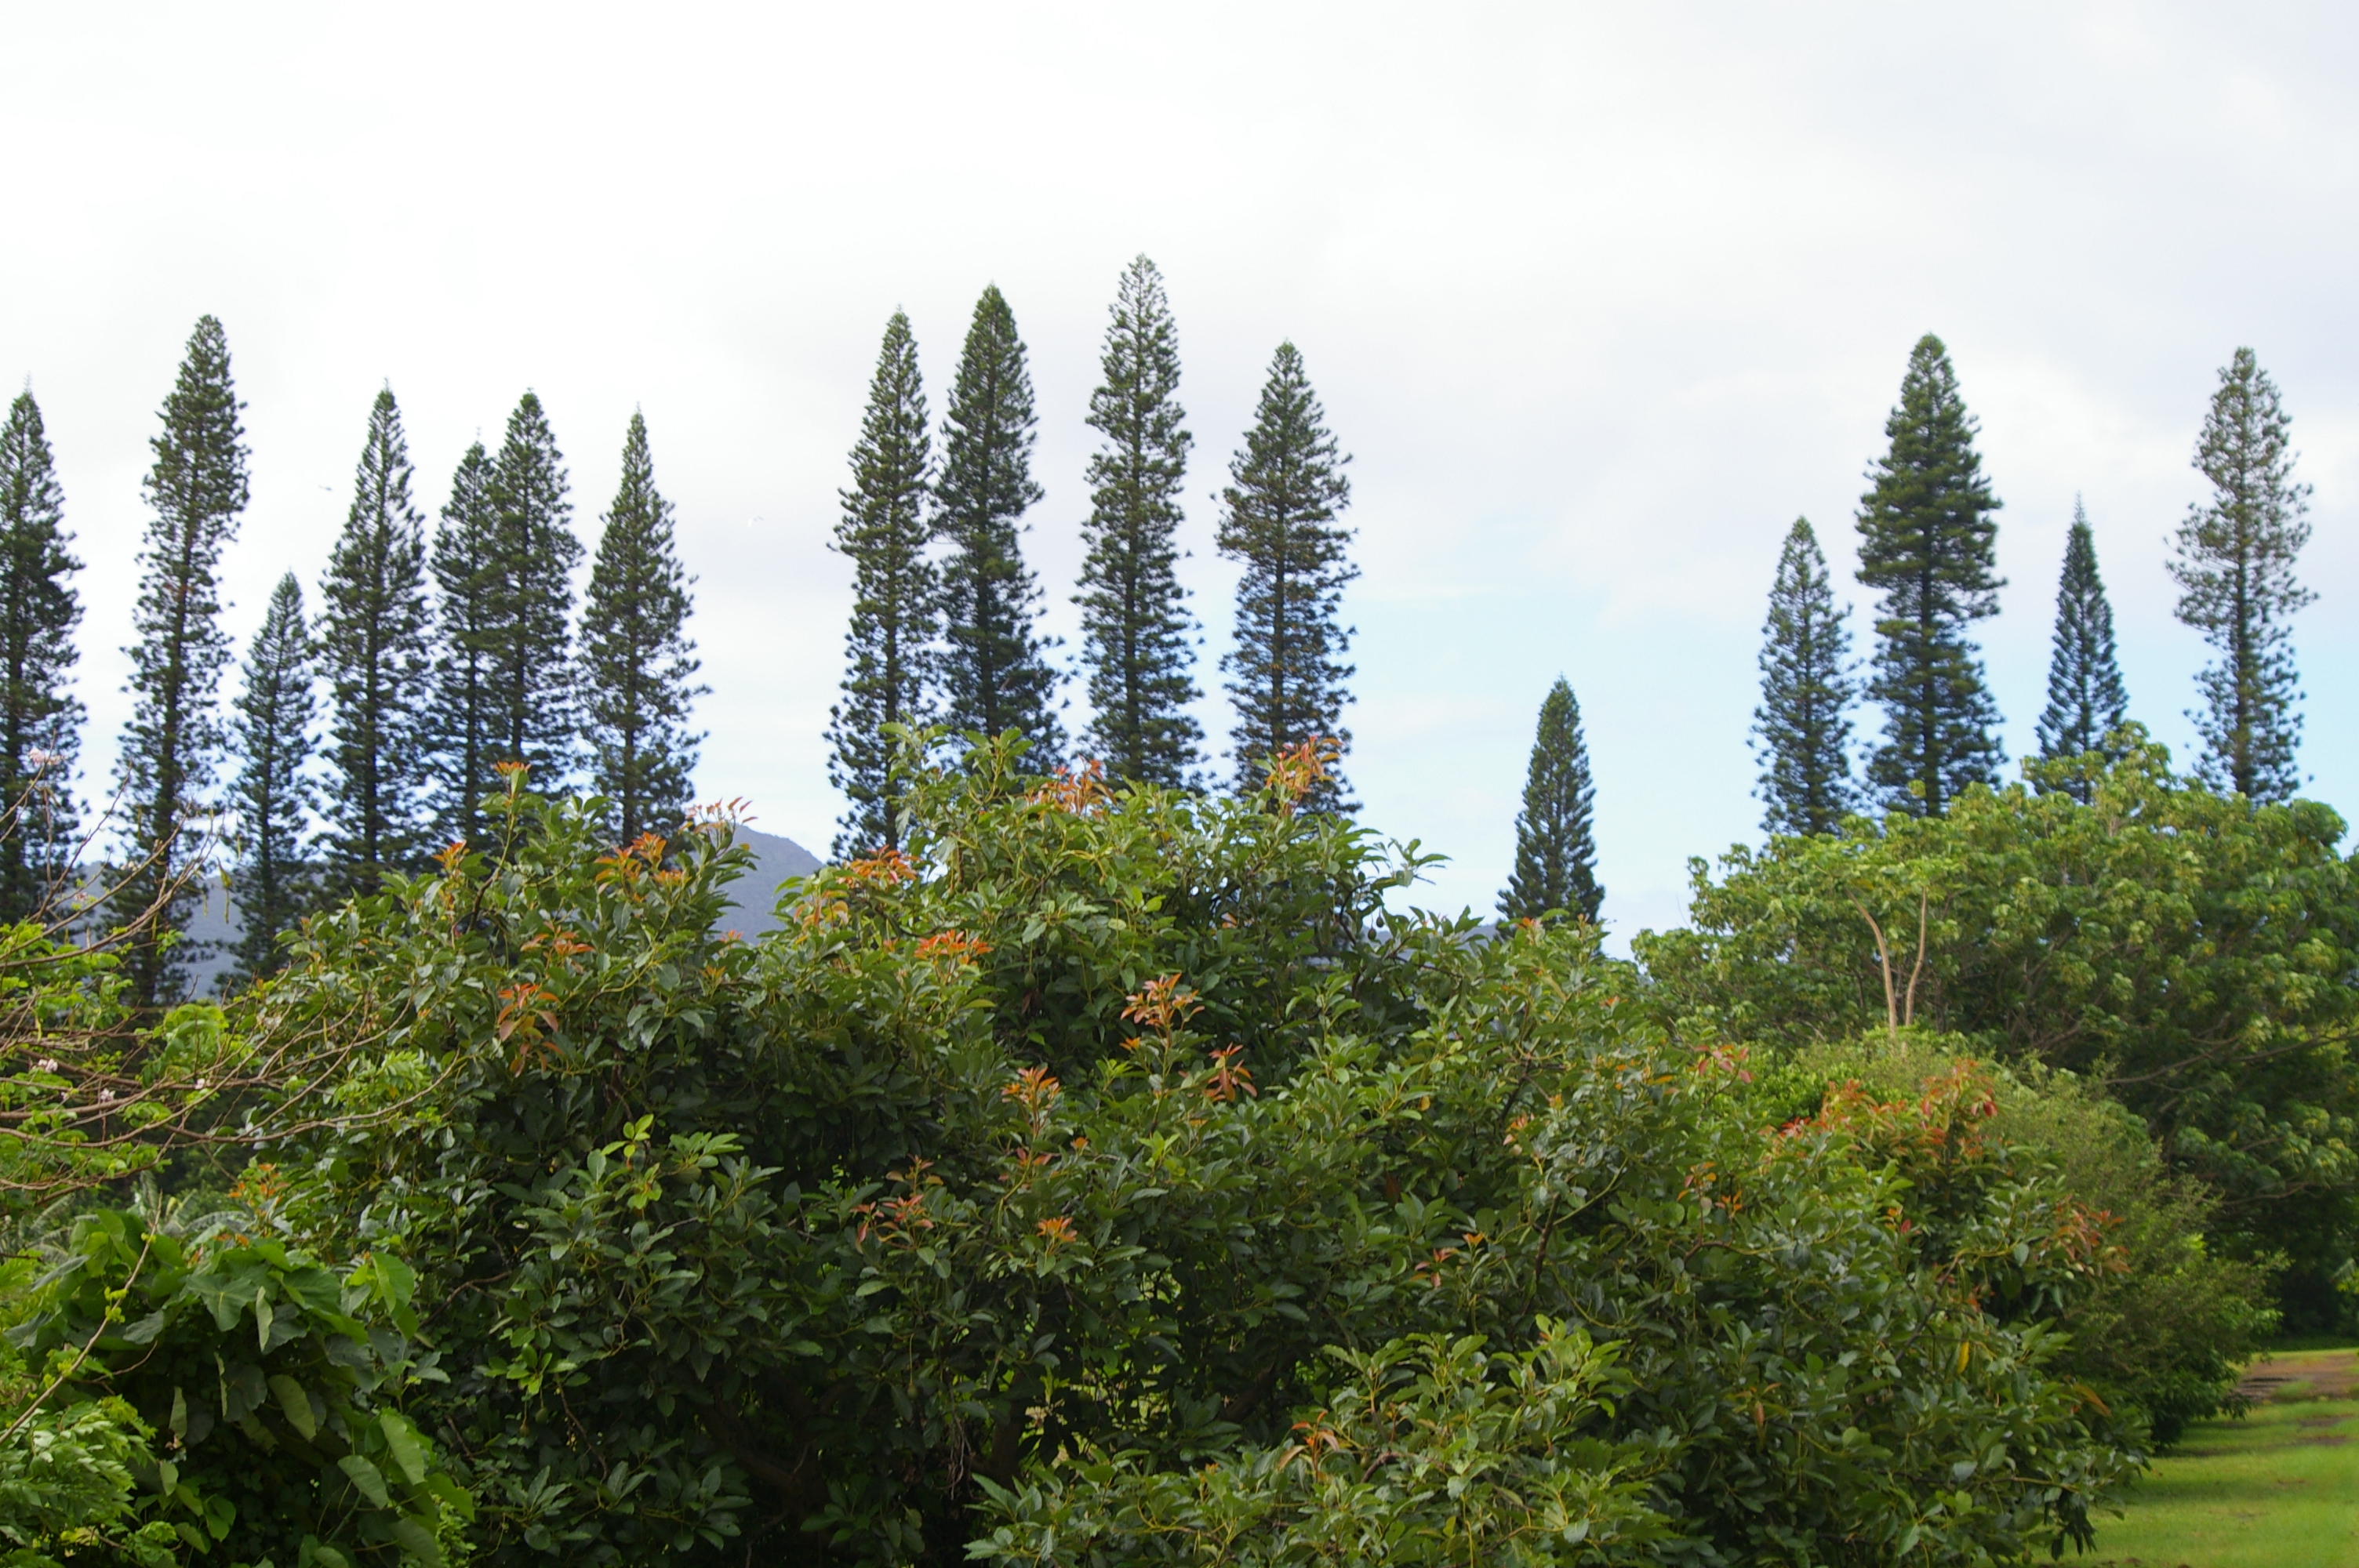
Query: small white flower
105 1095
46 1064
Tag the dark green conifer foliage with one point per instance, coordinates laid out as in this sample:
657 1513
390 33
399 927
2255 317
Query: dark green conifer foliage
374 620
2086 702
889 649
172 744
534 552
1135 621
995 672
1802 730
1285 491
1556 848
1928 548
2237 585
40 720
464 721
272 796
638 666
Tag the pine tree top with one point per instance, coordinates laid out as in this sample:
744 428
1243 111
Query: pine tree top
1556 846
40 607
2086 701
199 470
528 476
1136 405
2237 548
988 431
1801 728
893 459
1290 472
1928 508
1280 521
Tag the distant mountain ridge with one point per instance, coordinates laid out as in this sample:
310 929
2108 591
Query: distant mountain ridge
214 926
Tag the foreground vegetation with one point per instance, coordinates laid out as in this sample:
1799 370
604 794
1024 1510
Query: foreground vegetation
1104 1176
2274 1490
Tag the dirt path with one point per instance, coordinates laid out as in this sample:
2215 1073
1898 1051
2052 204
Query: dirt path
2334 1375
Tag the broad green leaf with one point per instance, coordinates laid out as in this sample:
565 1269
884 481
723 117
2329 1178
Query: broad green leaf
419 1541
296 1404
401 1439
367 1477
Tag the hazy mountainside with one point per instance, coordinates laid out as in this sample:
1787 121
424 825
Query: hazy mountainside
215 929
775 861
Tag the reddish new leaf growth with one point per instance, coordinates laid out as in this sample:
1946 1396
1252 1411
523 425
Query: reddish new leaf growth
954 945
1161 1004
1297 770
1228 1077
1076 790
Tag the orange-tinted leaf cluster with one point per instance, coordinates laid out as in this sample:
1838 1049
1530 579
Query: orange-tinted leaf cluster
1228 1075
1162 1004
1075 790
952 944
1297 770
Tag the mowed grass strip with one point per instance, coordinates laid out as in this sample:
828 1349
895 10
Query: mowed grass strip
2277 1489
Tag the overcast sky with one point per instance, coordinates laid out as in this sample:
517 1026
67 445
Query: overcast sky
1599 300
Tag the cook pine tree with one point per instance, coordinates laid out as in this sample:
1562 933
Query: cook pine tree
462 714
1802 730
638 666
171 748
535 553
1136 629
1280 522
2086 701
1556 842
995 675
373 629
271 730
40 720
888 648
2234 567
1928 549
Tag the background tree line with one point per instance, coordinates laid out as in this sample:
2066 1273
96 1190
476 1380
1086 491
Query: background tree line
946 616
1928 550
433 664
1927 542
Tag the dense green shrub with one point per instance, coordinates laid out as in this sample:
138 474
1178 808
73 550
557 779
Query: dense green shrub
226 1397
2193 955
1103 1139
2166 1323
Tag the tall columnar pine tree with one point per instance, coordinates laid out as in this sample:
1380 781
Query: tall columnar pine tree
463 721
2086 702
272 732
534 552
41 720
1287 489
374 620
1802 730
1135 621
995 671
888 650
1928 546
1556 848
639 665
2237 585
172 746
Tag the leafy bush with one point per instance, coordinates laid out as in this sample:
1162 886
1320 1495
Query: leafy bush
271 1383
2161 1326
2193 955
1114 1176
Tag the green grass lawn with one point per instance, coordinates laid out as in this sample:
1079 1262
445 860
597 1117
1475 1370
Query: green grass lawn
2277 1489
